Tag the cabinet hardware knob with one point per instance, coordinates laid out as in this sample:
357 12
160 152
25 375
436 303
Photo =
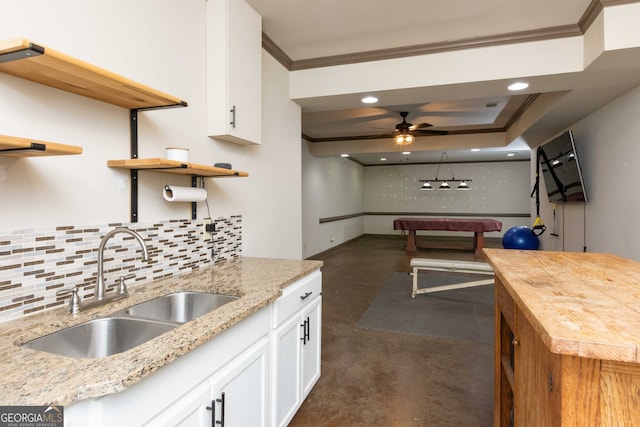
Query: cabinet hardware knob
515 342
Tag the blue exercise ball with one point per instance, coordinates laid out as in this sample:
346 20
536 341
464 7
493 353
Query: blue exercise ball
520 237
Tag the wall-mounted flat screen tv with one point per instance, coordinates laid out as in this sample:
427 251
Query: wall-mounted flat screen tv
561 169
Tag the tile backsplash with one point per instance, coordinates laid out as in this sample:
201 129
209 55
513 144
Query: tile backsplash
36 263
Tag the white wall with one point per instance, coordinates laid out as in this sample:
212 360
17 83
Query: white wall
330 187
160 43
608 148
497 188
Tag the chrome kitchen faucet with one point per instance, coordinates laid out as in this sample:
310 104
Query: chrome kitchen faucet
100 286
100 297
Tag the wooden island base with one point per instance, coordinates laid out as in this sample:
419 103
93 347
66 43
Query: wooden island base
567 338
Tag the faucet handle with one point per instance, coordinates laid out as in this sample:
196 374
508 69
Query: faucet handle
122 286
74 302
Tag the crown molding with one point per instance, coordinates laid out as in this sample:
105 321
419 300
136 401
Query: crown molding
430 48
274 50
572 30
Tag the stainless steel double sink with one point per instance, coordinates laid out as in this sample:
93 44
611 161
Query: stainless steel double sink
130 327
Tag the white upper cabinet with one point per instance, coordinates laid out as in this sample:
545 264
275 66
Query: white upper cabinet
234 72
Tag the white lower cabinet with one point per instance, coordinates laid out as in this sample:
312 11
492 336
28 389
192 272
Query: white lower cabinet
240 393
311 347
188 411
296 347
235 396
287 371
179 393
254 374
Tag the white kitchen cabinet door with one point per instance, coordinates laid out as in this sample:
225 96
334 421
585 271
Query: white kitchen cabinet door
287 370
312 314
234 72
240 390
188 411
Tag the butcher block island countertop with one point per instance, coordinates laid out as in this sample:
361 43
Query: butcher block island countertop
31 377
567 339
581 304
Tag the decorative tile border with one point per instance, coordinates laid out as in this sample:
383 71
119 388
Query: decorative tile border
35 263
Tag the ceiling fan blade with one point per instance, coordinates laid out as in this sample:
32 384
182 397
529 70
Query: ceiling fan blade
422 126
422 132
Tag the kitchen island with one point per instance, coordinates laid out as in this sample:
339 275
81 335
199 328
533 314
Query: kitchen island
567 347
32 377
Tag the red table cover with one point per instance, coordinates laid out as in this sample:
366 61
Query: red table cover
450 224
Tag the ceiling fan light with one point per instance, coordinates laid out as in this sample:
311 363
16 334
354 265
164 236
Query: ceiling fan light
444 186
404 139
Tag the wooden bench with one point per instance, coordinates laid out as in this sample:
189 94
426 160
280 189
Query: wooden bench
473 267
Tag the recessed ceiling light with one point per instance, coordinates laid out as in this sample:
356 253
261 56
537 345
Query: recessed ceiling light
383 159
511 154
475 149
344 155
406 153
518 86
369 100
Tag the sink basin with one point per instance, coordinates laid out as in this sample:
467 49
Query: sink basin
179 307
100 337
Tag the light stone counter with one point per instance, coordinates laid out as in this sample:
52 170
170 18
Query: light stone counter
31 377
580 304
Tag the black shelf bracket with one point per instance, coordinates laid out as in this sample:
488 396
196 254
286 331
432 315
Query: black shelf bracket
34 146
194 205
133 128
165 168
164 107
30 52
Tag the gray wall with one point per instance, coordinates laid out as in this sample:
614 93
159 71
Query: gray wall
331 187
609 150
497 189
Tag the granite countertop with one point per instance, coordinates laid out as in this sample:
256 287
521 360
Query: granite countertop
31 377
581 304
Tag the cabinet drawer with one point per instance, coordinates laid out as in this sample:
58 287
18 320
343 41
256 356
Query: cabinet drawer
296 296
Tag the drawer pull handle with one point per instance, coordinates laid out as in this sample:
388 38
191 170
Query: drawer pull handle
305 296
212 408
306 327
233 117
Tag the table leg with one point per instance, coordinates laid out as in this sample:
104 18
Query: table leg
478 240
411 241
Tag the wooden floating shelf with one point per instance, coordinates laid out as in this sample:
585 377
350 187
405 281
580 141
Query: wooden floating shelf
175 167
22 147
22 58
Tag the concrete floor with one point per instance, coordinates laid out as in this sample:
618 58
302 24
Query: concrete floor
375 378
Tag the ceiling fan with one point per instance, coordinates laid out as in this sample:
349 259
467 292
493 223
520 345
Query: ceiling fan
406 132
